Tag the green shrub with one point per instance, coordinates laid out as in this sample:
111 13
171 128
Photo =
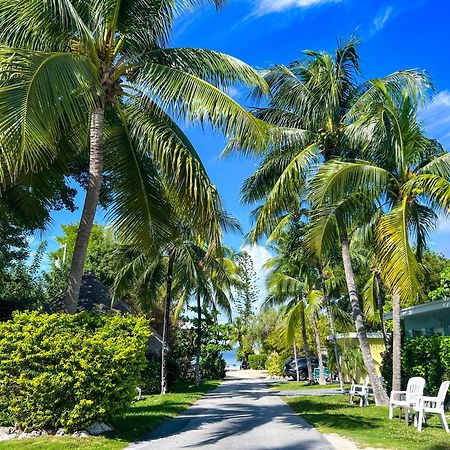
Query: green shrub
60 370
275 364
151 378
150 382
212 365
257 362
427 357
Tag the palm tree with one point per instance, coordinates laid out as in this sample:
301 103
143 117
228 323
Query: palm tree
285 283
315 299
403 181
311 100
99 78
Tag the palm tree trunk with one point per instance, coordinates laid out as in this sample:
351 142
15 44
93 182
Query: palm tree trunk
337 354
396 342
199 340
319 349
305 342
296 361
380 310
165 337
379 393
89 209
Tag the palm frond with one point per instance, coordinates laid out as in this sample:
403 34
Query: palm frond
400 269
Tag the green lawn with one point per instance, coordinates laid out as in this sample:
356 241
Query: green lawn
142 418
302 385
368 426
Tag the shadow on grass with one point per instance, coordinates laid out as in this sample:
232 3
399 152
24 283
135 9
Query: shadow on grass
369 426
147 414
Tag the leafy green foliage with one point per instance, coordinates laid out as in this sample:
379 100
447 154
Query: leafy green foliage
215 339
257 362
150 382
427 357
59 370
275 364
443 291
21 287
101 255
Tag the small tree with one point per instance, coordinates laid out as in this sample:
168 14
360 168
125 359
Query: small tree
248 290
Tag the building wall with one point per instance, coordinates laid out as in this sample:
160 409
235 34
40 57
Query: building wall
428 324
376 348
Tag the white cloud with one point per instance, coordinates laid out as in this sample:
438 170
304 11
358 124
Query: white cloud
260 255
264 7
440 238
382 18
437 117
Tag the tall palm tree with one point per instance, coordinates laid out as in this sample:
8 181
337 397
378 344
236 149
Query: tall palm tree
99 77
404 181
311 100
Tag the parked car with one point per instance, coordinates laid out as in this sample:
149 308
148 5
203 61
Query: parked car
290 370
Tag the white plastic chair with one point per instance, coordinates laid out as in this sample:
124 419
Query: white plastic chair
433 405
359 390
408 399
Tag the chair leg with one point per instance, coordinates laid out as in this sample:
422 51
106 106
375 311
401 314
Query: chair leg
407 416
415 419
444 421
391 412
420 423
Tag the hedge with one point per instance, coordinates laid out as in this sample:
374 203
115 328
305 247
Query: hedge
427 357
275 364
60 370
257 362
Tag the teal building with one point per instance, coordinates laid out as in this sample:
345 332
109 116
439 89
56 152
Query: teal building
427 319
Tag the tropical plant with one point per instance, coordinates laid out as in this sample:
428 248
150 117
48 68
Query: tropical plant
21 286
312 99
98 78
403 182
287 284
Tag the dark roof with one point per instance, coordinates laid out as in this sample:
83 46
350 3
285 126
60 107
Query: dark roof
94 296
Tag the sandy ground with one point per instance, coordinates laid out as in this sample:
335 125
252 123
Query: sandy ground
342 443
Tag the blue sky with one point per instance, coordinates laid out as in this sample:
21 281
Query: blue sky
395 35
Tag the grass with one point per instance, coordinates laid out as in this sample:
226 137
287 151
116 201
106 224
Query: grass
368 426
142 418
303 385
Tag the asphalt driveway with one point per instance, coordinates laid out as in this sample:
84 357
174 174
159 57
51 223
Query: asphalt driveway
241 414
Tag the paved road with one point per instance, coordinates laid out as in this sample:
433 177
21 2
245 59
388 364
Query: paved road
241 414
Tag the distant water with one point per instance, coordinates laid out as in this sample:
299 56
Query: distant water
230 358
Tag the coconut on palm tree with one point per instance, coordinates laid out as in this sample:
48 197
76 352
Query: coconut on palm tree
78 76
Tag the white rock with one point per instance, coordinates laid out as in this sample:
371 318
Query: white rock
7 437
80 434
98 428
60 432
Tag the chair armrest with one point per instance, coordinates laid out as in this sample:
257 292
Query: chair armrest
399 393
424 399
